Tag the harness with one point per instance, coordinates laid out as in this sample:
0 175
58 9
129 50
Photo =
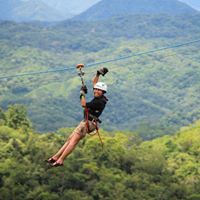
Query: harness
95 121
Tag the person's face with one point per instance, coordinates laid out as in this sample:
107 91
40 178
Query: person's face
98 92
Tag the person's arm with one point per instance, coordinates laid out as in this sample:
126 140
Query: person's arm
102 72
95 79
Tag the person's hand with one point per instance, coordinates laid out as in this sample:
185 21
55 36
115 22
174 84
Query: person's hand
82 94
102 71
83 91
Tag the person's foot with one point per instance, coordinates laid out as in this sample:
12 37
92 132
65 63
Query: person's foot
51 160
57 164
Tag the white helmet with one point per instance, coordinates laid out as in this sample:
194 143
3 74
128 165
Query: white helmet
101 86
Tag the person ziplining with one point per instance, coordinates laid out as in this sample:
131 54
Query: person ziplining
90 123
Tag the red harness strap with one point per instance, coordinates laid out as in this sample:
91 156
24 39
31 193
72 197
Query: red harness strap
97 131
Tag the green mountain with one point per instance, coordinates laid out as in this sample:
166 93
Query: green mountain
157 92
106 9
126 168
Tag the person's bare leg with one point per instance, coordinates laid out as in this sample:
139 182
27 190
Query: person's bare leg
69 148
61 150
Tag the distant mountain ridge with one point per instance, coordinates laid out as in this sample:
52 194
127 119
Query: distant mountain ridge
106 9
34 10
58 10
41 10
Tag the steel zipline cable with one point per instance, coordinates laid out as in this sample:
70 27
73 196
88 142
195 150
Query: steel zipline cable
101 62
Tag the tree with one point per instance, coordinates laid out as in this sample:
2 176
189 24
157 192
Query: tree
16 117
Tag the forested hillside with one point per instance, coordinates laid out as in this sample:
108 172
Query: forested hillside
157 92
150 129
127 168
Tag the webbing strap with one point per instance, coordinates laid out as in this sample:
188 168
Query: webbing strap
96 126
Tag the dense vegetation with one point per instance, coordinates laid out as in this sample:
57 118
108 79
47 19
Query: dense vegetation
157 92
153 94
127 168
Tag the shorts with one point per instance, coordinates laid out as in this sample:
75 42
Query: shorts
81 129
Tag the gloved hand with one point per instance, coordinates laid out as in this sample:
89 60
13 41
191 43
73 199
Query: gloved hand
83 91
102 71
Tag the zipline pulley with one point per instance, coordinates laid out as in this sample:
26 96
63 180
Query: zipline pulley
80 72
